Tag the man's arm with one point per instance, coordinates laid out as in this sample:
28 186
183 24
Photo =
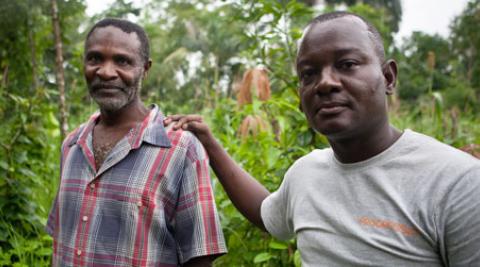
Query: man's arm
197 229
246 193
459 222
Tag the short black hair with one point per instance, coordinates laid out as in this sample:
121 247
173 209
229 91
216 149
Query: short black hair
375 35
128 27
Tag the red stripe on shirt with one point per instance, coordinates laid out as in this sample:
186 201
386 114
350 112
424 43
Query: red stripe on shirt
88 205
150 191
206 209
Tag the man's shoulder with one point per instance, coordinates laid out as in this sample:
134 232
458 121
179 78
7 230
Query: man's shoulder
73 136
317 158
441 152
181 138
322 155
186 143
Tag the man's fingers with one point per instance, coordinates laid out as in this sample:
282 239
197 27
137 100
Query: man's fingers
171 118
193 117
182 121
175 117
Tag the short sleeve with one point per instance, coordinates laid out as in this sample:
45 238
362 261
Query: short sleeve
274 212
52 218
459 222
197 226
52 221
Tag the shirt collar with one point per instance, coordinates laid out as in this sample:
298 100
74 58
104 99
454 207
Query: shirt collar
151 130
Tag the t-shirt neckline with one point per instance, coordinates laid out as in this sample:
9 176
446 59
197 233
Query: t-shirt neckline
375 159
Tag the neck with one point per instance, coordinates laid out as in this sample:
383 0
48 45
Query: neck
365 145
127 116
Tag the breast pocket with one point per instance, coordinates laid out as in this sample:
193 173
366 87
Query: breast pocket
120 215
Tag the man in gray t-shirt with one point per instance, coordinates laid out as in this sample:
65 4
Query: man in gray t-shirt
414 204
378 196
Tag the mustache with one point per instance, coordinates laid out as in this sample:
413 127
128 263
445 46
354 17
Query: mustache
329 104
96 85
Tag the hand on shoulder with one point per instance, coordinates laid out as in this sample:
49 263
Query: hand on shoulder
193 123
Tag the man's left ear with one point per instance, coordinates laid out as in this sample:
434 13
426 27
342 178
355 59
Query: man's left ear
146 67
389 69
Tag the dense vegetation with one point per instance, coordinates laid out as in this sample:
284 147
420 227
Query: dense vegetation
233 62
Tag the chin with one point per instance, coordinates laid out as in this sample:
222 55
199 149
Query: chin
333 130
110 105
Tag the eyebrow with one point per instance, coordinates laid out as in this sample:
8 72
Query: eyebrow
343 51
117 54
337 53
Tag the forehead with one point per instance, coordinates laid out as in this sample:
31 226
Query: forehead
113 37
347 33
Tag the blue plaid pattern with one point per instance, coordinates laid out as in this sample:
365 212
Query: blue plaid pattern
150 203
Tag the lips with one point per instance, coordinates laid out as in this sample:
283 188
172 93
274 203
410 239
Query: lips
331 108
107 87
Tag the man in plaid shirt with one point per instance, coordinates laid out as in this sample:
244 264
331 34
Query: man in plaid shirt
132 193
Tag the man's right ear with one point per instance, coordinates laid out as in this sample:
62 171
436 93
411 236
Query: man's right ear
146 67
390 70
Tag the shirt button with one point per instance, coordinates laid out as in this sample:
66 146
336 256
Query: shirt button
79 252
139 203
85 218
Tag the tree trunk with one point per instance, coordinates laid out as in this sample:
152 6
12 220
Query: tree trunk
33 56
59 73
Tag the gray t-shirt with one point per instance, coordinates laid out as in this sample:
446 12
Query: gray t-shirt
414 204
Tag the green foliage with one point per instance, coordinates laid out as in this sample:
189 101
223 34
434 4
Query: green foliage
266 156
466 41
423 79
24 251
28 165
390 10
195 57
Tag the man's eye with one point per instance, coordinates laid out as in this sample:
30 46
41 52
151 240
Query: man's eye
94 58
122 61
307 76
347 64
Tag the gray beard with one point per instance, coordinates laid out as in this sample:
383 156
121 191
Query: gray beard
111 105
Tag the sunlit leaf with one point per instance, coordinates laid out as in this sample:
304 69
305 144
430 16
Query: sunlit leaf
262 257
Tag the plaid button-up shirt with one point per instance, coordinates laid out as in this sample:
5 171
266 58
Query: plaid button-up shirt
149 204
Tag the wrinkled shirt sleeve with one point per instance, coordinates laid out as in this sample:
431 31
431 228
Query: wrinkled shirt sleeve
458 222
197 227
274 212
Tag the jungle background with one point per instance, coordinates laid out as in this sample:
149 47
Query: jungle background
232 62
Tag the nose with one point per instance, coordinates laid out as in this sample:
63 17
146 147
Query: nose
328 81
107 71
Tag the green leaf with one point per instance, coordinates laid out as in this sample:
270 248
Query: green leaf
52 120
277 245
297 260
4 165
21 157
44 252
27 172
262 257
